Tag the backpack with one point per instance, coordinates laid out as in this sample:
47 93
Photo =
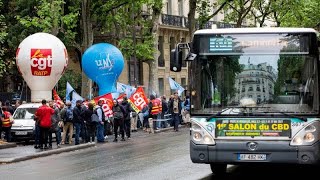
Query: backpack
69 114
94 117
103 115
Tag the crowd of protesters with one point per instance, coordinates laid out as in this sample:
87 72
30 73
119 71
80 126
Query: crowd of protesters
88 123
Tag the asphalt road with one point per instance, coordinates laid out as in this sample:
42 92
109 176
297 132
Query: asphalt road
156 156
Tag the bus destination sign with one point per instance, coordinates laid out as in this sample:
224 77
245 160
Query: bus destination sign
220 44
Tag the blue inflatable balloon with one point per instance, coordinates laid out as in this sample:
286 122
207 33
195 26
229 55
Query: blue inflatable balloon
103 63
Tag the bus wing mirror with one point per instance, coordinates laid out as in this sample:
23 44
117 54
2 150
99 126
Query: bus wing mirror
175 60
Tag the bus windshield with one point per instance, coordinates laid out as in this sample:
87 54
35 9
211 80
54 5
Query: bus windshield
276 73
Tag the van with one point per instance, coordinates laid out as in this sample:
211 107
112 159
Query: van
24 124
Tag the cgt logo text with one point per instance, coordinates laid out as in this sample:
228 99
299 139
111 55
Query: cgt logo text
105 62
41 62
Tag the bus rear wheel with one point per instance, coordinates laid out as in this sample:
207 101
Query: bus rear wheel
218 169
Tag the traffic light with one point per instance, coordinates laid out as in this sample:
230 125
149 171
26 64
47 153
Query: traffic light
176 60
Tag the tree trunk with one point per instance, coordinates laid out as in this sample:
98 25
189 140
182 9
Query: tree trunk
153 65
191 18
87 40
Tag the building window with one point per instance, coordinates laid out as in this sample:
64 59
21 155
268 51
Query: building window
180 5
258 88
169 7
161 86
183 82
250 88
161 62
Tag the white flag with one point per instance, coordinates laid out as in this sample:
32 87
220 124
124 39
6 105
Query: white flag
176 86
75 98
69 90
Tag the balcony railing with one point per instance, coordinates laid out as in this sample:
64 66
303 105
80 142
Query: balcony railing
181 21
172 20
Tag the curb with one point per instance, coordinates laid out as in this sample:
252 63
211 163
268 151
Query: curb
8 145
47 153
168 129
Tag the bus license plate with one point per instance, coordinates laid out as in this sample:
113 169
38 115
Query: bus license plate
252 157
21 132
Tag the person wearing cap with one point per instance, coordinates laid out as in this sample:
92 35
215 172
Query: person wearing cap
77 121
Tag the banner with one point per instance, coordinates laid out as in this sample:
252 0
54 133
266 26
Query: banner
57 99
138 100
107 104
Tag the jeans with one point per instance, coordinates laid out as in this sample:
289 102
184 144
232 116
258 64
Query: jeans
37 135
158 123
100 132
77 135
7 131
127 127
44 136
176 120
58 137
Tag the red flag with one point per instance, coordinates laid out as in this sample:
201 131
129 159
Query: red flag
57 99
138 99
107 104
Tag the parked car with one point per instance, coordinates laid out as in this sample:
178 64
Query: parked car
24 124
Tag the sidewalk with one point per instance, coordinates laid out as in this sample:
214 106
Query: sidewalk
10 152
21 153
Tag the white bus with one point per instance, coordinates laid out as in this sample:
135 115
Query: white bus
254 96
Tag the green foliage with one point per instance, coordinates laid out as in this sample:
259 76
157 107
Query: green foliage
204 8
50 17
73 78
3 35
302 14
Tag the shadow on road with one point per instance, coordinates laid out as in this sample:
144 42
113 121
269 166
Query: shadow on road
264 172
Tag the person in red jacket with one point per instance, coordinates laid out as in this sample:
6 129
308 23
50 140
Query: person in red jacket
43 115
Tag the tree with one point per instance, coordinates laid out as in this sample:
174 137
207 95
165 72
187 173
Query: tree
3 34
261 11
237 11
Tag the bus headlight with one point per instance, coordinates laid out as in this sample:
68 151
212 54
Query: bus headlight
307 135
199 135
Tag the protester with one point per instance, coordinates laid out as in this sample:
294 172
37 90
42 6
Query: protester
154 110
43 114
186 112
100 124
55 119
67 115
77 121
7 122
118 120
164 111
91 125
175 110
127 121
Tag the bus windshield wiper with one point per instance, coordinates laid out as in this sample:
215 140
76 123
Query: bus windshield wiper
293 116
231 110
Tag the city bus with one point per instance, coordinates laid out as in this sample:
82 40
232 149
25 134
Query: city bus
254 96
